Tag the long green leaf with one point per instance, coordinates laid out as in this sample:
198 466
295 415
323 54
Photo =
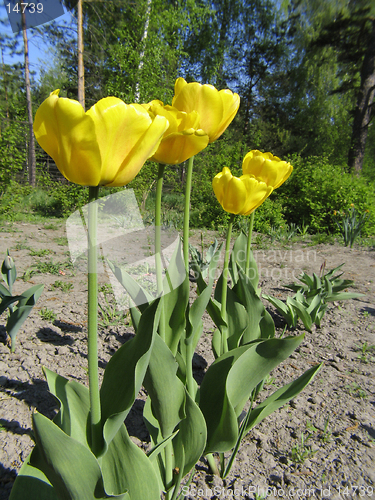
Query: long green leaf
165 389
125 371
74 405
229 382
71 468
126 467
281 397
32 484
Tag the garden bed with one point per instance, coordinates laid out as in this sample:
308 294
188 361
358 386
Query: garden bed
322 444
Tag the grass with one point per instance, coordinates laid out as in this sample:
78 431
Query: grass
47 314
40 253
62 285
366 350
356 391
301 451
47 268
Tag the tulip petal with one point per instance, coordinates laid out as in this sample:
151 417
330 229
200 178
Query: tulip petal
266 167
216 109
204 99
257 192
79 154
119 128
141 151
230 191
179 147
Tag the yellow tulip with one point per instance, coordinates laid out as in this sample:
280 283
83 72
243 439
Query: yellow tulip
105 146
216 108
239 195
266 167
183 138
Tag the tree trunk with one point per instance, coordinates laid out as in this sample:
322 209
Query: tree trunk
31 160
81 69
362 113
143 50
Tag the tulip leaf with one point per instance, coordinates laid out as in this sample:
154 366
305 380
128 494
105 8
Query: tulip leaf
4 292
32 484
9 276
139 295
196 313
237 316
166 391
124 373
74 405
7 301
228 384
175 304
343 296
16 319
190 442
29 297
267 326
126 467
281 397
71 468
302 313
252 304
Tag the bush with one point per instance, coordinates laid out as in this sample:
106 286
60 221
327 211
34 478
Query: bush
12 197
317 188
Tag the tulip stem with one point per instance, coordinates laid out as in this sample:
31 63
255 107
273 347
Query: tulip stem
248 249
189 176
158 261
92 341
224 331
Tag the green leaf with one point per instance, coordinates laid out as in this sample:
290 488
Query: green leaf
30 296
165 389
267 326
4 292
7 301
32 484
139 295
253 305
175 304
343 296
71 468
16 319
126 467
11 277
302 313
283 309
228 384
190 442
125 371
280 397
74 405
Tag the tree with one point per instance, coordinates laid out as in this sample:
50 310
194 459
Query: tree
349 28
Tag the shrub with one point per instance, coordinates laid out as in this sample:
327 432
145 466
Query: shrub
317 188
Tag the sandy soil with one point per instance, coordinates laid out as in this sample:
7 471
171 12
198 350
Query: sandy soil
336 412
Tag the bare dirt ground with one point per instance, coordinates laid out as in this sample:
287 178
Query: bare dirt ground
321 445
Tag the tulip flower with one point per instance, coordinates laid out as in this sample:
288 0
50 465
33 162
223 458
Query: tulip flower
105 146
216 108
266 167
183 138
239 195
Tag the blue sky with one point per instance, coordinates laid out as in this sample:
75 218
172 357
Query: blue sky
37 48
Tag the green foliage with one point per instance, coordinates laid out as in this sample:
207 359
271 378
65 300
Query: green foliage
318 188
19 306
11 198
312 297
350 225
